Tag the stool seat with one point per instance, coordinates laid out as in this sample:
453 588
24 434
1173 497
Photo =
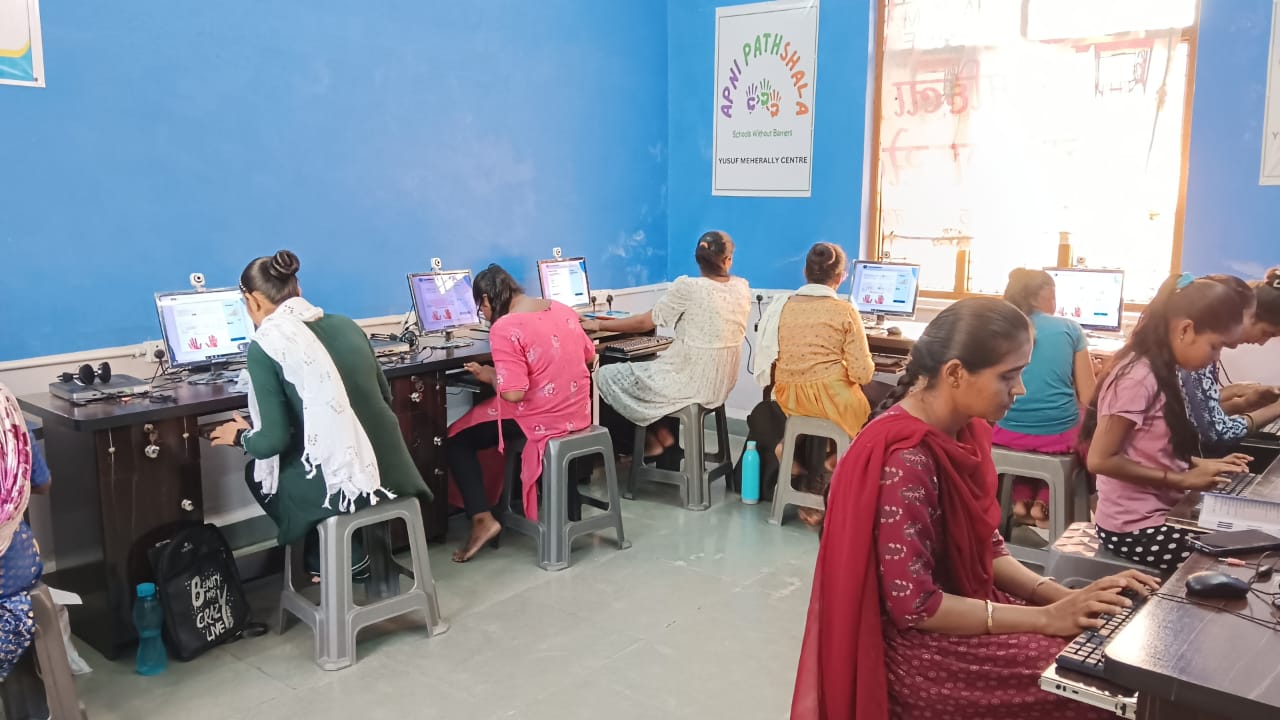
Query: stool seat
554 530
785 493
1080 554
337 619
693 479
1068 497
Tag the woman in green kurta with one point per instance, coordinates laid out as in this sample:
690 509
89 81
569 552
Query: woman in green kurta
324 439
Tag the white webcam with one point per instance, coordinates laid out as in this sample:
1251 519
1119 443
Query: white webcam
436 263
197 281
556 253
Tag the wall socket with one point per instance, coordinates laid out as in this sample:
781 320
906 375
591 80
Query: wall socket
148 349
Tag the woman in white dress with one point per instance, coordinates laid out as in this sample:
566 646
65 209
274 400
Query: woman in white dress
708 315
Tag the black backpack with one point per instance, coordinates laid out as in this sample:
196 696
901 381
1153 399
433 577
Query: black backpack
200 591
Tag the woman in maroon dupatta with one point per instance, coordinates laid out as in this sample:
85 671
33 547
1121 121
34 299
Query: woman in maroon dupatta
917 611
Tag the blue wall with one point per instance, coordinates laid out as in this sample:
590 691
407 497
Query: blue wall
1233 223
368 137
772 234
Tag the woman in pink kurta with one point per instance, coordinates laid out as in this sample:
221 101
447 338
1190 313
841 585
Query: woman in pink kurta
543 386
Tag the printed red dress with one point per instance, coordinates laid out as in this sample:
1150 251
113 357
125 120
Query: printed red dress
935 675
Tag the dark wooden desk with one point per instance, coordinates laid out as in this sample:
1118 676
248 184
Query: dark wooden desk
1188 661
111 502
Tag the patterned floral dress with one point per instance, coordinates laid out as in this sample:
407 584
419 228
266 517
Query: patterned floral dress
935 675
710 320
545 354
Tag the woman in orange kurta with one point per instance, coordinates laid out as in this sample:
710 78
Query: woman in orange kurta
814 351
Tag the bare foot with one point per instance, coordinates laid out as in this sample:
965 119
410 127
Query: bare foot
483 529
810 516
1022 511
657 440
1040 513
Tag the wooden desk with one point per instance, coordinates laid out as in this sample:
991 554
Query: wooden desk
110 502
1188 661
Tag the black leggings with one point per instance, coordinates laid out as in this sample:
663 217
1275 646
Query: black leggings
461 452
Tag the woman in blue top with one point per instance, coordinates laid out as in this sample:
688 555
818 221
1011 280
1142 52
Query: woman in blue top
22 471
1059 382
1225 415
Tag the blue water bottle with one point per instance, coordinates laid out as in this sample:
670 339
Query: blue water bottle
750 474
148 618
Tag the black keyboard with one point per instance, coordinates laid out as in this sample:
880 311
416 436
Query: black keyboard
1239 483
888 362
1085 653
641 345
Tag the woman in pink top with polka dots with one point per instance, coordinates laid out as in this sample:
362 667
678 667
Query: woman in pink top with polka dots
1143 446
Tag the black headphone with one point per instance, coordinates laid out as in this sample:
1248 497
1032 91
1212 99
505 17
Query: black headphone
86 374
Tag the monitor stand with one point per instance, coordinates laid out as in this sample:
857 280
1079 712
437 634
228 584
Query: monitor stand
452 343
213 376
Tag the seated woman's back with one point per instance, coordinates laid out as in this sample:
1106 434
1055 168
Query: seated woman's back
817 338
706 313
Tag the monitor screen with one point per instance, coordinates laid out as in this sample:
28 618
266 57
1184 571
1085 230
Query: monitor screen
565 281
885 288
201 328
1093 298
443 300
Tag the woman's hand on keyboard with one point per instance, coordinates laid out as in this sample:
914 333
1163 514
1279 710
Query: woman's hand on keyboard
1080 610
1206 473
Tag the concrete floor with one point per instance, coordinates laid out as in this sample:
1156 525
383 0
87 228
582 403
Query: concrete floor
701 618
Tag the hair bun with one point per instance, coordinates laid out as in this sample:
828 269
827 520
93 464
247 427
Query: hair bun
1273 275
284 264
824 253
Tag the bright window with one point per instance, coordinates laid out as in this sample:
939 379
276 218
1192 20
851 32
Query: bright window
1007 127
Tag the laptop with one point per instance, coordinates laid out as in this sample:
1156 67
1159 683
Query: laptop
565 281
1090 691
1247 502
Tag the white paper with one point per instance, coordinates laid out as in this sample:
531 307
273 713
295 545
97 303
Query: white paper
64 597
1270 174
766 75
21 47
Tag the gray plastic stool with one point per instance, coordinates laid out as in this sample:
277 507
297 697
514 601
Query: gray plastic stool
1079 554
1067 497
554 529
51 658
694 479
785 493
337 619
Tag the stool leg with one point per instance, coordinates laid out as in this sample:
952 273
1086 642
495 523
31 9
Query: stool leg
782 491
698 495
422 577
284 617
615 502
335 640
637 464
553 540
722 436
1006 502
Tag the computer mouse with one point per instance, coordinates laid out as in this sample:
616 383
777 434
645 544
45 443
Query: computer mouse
893 330
1212 584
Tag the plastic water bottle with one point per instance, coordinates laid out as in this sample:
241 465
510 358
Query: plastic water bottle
750 474
148 618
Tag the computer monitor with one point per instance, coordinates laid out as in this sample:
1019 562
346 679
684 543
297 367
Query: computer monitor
203 329
1093 298
565 281
884 288
443 301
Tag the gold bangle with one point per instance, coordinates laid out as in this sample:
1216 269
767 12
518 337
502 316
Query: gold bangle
990 610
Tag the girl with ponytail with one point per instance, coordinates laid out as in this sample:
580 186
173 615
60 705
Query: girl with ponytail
1143 447
911 571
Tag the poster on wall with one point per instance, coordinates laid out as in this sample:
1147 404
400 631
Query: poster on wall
21 50
1271 123
766 75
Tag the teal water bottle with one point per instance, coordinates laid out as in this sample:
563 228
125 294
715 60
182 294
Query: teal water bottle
750 474
148 618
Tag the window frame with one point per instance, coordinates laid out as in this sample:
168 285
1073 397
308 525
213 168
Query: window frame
874 248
